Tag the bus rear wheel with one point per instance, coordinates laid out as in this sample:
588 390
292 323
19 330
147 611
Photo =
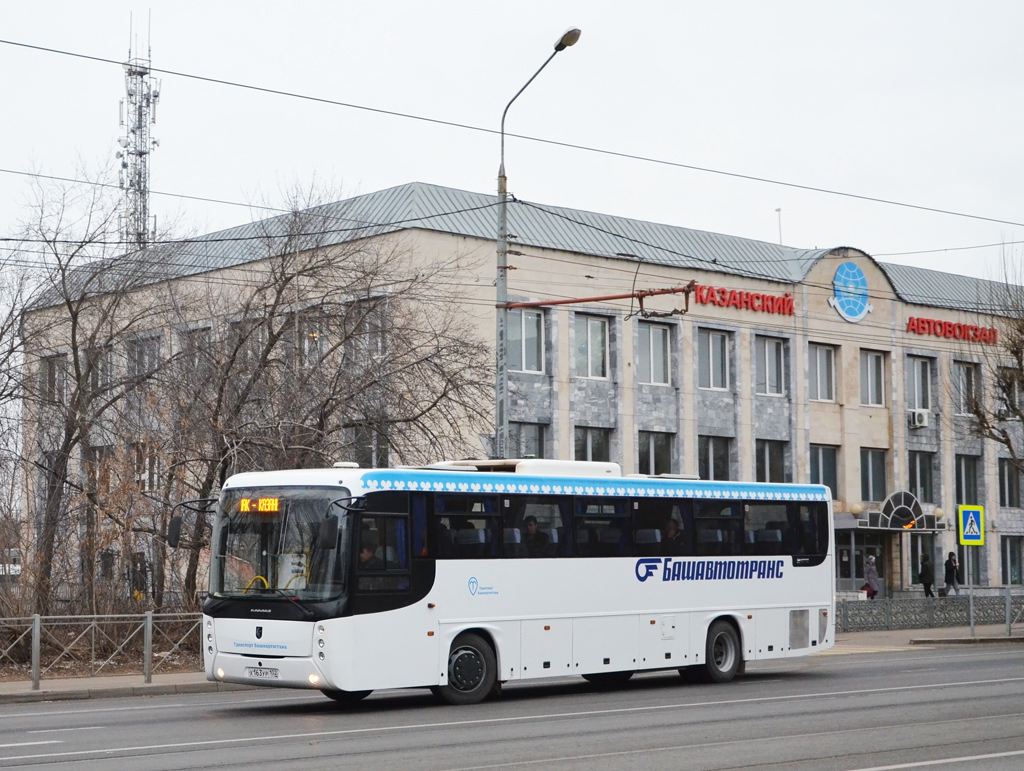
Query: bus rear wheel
722 655
348 698
472 671
608 679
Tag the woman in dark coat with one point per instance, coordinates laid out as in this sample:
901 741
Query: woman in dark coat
927 574
952 574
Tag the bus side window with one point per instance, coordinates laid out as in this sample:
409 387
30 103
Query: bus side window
602 527
467 526
660 528
766 529
810 531
420 539
382 557
719 528
534 526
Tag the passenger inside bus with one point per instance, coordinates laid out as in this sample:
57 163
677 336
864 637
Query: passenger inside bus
536 541
672 542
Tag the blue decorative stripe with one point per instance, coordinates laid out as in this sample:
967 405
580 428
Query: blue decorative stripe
483 483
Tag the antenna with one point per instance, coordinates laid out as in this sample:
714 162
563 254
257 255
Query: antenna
138 113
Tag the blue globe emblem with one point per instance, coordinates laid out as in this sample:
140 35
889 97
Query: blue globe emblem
851 292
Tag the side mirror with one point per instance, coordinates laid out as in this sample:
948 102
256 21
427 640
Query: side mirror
174 531
329 532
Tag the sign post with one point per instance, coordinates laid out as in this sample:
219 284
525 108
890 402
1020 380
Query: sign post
970 526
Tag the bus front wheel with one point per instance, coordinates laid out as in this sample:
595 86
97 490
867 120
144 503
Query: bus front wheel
722 656
348 698
472 671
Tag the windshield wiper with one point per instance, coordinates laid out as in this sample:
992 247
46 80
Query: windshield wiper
287 596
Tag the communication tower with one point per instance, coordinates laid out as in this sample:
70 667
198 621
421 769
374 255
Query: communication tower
138 113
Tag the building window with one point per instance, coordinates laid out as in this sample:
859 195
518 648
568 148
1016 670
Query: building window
966 480
823 467
821 364
147 473
872 377
921 476
965 384
526 440
1009 484
872 475
1013 557
770 365
771 463
655 452
143 356
652 355
713 457
100 363
1008 392
591 346
52 377
526 340
920 383
593 444
713 359
370 446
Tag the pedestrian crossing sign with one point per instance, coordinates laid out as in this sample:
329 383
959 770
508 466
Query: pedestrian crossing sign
970 522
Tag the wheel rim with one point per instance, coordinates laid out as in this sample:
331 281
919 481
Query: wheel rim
723 652
466 669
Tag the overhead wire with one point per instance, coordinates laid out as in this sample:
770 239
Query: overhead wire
541 140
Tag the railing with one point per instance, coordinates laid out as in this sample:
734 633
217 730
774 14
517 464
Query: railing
86 646
922 613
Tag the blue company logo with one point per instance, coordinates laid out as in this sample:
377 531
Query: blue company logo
473 585
707 570
851 292
647 567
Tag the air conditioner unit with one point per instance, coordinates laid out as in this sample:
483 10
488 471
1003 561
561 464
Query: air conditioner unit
917 418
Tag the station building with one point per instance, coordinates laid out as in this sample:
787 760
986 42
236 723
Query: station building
781 364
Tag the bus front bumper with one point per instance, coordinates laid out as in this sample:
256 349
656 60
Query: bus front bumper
290 672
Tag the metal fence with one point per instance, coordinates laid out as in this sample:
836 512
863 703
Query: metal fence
86 646
922 613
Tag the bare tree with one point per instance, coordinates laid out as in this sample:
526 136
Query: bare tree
329 349
998 414
73 326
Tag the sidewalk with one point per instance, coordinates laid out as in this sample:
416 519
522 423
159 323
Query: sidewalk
113 686
120 686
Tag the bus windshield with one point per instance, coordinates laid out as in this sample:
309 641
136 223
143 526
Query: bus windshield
266 542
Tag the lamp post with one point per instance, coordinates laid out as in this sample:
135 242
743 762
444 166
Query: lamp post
501 332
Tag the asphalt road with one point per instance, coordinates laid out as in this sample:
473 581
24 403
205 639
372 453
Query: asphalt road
943 708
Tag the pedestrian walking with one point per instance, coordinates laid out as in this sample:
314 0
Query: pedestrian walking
927 574
871 577
952 574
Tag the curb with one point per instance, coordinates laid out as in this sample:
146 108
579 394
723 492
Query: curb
965 640
119 692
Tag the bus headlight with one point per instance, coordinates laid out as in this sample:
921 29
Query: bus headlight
314 679
220 673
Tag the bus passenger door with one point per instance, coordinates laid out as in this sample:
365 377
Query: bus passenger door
663 641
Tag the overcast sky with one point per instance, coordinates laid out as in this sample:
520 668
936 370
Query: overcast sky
916 102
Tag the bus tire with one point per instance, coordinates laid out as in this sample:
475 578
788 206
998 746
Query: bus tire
347 698
722 655
472 671
608 679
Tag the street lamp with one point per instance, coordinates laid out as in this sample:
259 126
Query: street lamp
568 38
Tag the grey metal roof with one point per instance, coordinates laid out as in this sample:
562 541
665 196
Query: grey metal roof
934 288
447 210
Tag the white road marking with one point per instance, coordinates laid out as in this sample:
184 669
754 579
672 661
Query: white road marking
944 761
140 707
29 744
59 730
515 719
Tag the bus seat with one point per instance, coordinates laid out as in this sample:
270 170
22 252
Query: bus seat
651 535
386 553
749 536
552 534
648 541
709 536
471 542
769 536
610 542
512 535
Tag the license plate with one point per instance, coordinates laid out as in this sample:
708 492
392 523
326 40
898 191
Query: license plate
263 673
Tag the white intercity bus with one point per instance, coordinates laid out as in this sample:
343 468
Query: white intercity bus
465 575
